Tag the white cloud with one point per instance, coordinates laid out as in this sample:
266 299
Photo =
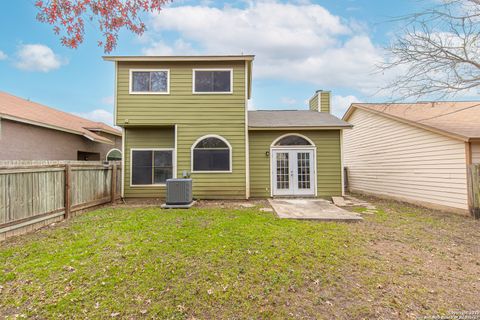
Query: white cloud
101 115
160 48
251 105
38 57
288 101
340 104
108 100
3 55
300 42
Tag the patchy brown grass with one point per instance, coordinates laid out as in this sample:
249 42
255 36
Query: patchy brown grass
228 259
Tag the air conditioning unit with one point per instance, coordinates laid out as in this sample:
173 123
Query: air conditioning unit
179 193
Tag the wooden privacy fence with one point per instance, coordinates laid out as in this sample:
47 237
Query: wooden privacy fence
38 193
474 189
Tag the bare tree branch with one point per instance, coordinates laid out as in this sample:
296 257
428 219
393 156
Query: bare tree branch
437 53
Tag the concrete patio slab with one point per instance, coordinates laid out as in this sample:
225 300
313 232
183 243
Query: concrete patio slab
311 209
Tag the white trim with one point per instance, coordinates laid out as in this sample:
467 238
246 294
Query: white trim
113 149
115 83
247 141
212 69
211 136
124 132
273 145
319 101
174 168
175 146
181 58
313 147
341 163
130 83
298 149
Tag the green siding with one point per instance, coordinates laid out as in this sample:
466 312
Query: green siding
214 185
145 138
328 161
314 103
181 106
325 101
195 115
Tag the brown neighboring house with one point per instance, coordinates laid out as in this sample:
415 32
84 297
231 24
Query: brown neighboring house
31 131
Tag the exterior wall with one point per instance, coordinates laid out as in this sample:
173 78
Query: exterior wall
329 181
20 141
323 105
475 152
214 185
145 138
313 103
195 115
388 158
325 101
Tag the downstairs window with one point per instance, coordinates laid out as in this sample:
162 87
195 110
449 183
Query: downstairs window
151 167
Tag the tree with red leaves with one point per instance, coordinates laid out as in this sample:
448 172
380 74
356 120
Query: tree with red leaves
68 18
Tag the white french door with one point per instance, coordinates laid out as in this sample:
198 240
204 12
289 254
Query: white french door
293 172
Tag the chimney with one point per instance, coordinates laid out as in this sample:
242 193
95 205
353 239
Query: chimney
320 101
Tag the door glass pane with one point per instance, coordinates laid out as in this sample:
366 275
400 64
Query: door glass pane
303 171
141 167
283 174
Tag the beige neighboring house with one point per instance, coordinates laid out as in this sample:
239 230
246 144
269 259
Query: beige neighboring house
31 131
417 152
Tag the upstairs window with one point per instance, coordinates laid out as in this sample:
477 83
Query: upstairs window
211 154
212 81
149 81
151 167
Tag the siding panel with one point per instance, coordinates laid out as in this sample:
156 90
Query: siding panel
475 152
328 161
145 138
195 115
390 158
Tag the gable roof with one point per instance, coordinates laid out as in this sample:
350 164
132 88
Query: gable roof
457 119
21 110
301 119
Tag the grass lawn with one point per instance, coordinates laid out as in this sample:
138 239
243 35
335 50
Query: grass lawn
218 262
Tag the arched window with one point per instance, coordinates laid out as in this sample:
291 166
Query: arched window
114 155
211 154
292 140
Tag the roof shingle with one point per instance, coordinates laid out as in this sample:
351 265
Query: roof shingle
20 109
294 119
461 118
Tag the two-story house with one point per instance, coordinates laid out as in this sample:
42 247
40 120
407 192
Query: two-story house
188 115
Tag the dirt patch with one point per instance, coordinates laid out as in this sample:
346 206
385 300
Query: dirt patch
418 262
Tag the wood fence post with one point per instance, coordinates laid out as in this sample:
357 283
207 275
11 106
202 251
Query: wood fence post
68 190
475 175
114 183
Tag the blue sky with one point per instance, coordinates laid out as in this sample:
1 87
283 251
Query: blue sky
300 46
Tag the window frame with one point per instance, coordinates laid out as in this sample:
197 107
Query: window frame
174 166
113 149
130 83
212 69
192 148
